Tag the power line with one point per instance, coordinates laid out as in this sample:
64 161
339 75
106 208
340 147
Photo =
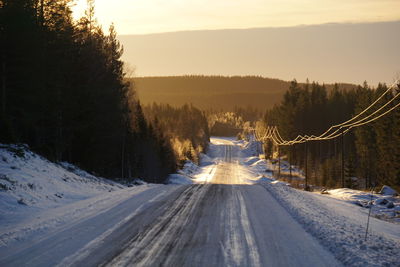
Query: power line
365 110
272 132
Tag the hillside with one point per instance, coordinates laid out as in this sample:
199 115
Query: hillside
30 183
213 92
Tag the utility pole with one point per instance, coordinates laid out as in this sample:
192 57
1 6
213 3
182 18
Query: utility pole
290 162
279 163
342 158
306 166
3 86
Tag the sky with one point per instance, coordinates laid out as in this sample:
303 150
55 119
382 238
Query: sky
154 16
322 40
327 53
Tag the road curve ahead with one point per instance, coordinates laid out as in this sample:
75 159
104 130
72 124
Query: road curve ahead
227 222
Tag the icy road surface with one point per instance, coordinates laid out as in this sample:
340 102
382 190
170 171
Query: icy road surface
225 221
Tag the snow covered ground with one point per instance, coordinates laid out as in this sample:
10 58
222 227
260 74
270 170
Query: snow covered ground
383 206
30 181
38 196
192 173
229 210
341 227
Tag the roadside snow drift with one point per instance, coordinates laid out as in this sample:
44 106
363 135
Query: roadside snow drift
341 227
29 182
36 194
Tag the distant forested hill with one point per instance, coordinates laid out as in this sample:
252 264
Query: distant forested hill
214 92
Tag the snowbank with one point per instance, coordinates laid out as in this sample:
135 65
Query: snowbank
388 191
250 161
38 196
185 175
252 148
30 183
341 226
193 173
179 179
386 207
205 160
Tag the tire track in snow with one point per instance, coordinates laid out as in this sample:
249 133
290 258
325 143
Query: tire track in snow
159 238
248 232
238 230
92 245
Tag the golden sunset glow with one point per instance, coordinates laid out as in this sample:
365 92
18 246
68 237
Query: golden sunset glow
153 16
199 133
270 53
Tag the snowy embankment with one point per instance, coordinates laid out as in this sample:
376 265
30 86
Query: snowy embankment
192 173
384 205
38 196
341 227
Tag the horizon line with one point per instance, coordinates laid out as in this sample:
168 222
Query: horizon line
372 86
260 28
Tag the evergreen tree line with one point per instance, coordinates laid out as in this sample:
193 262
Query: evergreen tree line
223 93
63 93
371 152
186 127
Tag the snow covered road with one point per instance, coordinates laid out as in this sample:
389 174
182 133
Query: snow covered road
222 225
226 222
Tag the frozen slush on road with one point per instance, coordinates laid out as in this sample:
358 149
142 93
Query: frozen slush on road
229 211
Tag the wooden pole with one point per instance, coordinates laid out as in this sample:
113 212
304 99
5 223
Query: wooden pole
306 167
290 162
279 163
342 158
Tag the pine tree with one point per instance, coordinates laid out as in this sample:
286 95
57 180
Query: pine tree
63 92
